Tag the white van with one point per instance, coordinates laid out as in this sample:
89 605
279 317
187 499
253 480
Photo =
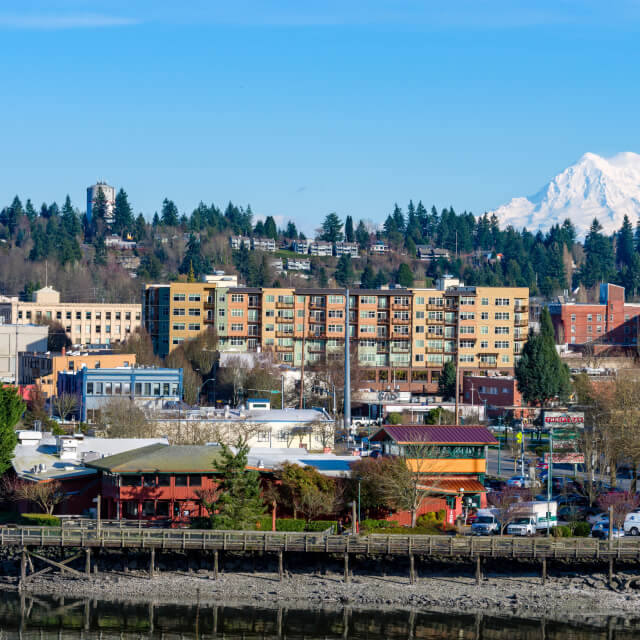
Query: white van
632 524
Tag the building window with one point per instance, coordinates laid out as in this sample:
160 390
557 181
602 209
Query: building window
89 388
502 302
237 297
589 317
178 297
194 312
178 312
181 480
194 327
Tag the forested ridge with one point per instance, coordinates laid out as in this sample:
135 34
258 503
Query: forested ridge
59 244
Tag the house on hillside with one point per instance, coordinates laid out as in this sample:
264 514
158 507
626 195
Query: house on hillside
450 460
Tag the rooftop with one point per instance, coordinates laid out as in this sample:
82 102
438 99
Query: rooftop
435 434
45 451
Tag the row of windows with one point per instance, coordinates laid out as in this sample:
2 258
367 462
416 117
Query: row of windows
180 326
182 312
180 297
88 315
142 389
161 480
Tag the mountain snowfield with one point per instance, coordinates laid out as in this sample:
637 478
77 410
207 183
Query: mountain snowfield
594 187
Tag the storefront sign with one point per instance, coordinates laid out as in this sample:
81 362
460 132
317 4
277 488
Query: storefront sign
566 458
563 418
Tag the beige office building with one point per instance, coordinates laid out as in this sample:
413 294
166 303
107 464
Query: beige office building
86 323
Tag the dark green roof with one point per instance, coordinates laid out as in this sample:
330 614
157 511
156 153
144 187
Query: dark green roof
161 458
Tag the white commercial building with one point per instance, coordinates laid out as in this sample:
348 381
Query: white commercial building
109 196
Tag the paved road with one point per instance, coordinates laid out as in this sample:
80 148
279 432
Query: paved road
507 468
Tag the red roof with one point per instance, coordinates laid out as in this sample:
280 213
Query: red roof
435 434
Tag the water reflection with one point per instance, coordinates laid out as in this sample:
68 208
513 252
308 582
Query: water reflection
30 617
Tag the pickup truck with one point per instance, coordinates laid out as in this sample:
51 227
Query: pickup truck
531 517
485 524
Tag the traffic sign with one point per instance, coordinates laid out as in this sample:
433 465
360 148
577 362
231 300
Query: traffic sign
519 436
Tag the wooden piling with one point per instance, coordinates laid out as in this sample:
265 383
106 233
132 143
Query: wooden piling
215 564
412 569
23 566
346 568
87 561
478 569
610 570
544 571
281 565
152 562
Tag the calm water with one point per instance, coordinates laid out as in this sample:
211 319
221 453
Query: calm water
65 619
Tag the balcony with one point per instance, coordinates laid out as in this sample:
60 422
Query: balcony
283 348
284 334
284 305
521 322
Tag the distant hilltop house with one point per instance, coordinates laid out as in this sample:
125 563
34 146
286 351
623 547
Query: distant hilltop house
346 249
379 248
301 246
118 243
239 241
428 253
294 264
253 244
321 249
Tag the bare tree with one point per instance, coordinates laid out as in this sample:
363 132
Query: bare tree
123 418
508 504
622 503
65 403
234 373
45 495
324 431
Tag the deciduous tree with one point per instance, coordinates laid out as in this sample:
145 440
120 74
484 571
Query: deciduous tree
11 409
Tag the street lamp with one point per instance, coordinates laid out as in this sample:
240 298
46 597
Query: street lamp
202 386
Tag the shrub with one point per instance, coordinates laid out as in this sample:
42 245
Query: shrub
40 520
541 450
289 524
440 516
582 529
561 531
371 525
322 525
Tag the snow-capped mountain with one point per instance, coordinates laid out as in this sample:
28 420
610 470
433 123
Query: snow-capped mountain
594 187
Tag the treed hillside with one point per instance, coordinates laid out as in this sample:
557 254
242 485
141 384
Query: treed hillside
55 244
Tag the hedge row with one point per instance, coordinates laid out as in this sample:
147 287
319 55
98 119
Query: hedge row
371 524
40 520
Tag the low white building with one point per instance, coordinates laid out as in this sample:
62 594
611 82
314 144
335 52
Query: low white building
300 264
238 241
261 426
379 248
301 246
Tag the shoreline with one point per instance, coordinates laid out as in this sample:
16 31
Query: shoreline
583 598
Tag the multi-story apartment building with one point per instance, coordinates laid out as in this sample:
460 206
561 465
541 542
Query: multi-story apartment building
612 322
263 244
402 337
301 246
321 248
239 241
346 249
86 323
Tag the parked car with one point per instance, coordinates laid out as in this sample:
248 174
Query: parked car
598 518
601 531
521 482
572 498
570 513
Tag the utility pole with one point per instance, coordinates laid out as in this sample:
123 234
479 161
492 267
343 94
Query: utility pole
457 311
347 370
304 325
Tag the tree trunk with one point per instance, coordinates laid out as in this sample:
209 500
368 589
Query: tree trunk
634 479
414 518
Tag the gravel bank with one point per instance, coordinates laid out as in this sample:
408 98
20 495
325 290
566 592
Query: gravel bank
568 597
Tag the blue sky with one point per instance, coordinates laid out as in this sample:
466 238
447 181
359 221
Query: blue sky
301 108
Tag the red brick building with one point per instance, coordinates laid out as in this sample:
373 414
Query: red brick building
611 323
496 393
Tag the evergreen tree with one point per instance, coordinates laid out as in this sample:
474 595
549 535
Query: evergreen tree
169 213
11 409
382 279
624 246
362 236
292 231
98 208
240 503
194 260
348 229
140 228
270 229
258 230
122 214
30 211
447 381
69 220
398 219
344 271
156 220
331 229
368 278
541 374
599 262
404 275
100 253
